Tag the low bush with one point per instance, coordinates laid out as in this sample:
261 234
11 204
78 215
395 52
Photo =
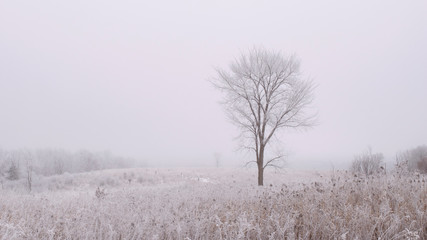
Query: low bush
368 163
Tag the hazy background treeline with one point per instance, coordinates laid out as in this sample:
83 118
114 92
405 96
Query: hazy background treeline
15 164
411 160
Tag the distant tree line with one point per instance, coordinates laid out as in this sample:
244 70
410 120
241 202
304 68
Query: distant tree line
17 164
412 160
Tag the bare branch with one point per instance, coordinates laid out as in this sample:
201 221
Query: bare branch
247 164
271 161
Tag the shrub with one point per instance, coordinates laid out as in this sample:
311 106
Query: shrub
100 193
415 159
368 163
422 165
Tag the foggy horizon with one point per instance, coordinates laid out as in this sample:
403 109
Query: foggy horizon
132 78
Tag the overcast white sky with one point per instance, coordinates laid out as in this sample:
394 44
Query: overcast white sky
131 76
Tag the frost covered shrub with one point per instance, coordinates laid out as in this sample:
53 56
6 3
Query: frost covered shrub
367 163
108 181
415 159
100 193
68 179
422 165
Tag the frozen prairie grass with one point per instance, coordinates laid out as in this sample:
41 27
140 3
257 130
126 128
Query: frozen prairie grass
217 204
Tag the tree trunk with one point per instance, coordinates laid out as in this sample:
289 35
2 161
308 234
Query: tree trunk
260 175
260 163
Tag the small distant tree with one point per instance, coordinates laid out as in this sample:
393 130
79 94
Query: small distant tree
88 161
217 156
58 166
13 171
3 162
29 169
264 93
368 163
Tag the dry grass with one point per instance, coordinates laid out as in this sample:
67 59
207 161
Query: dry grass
219 204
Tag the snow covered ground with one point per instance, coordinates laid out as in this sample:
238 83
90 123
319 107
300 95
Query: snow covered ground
214 203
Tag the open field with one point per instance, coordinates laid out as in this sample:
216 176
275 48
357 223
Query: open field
215 204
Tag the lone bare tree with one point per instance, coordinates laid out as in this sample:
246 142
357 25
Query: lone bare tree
29 169
265 92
